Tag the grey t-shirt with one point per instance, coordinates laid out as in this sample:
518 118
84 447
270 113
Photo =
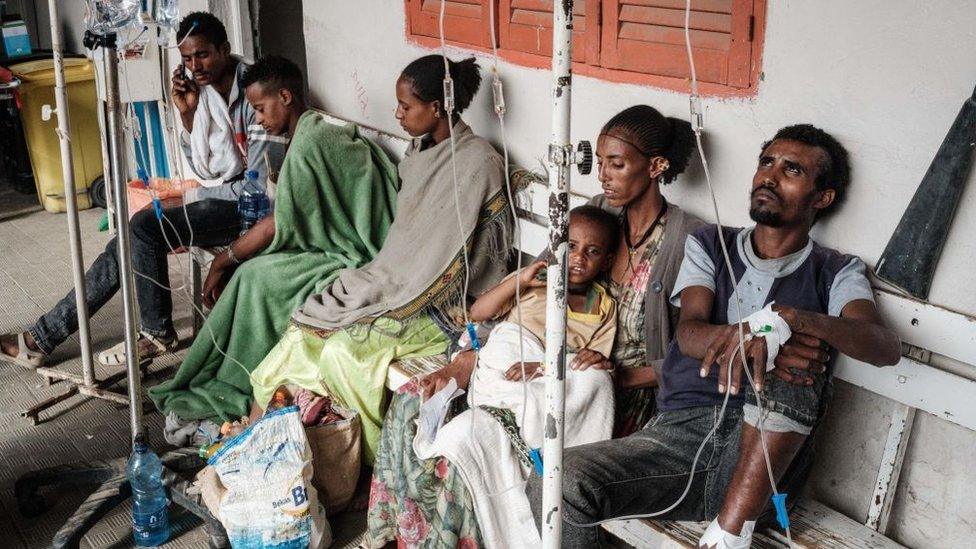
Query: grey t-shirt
850 283
814 278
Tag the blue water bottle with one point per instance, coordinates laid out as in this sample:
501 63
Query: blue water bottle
253 204
150 518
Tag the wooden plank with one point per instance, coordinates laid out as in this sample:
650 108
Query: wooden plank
456 8
930 327
918 385
675 36
716 6
892 460
535 237
715 22
814 526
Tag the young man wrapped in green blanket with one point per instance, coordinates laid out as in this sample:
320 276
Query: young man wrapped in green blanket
335 201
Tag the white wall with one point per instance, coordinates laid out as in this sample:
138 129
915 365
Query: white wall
886 77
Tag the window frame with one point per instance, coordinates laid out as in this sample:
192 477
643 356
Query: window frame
750 74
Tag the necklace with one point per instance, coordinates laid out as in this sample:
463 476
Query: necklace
631 247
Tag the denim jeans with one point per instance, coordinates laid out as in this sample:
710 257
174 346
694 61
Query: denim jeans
213 223
647 472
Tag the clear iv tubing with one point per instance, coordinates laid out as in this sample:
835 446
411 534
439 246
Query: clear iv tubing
182 290
696 120
448 107
499 104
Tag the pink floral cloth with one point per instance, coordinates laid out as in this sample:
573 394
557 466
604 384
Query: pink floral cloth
418 503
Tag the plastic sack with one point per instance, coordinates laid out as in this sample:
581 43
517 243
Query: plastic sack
270 500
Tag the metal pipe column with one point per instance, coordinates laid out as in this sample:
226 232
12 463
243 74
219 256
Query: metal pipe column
70 196
113 107
561 158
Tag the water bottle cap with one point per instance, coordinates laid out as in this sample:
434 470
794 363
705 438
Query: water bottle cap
139 444
251 174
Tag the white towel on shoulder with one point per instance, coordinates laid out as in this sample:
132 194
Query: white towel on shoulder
212 148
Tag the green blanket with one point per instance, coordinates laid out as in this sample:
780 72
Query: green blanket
336 199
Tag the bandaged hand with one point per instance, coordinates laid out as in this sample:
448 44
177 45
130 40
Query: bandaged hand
460 369
803 355
715 537
724 350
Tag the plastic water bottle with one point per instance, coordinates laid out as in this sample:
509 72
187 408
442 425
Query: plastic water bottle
167 19
150 518
253 204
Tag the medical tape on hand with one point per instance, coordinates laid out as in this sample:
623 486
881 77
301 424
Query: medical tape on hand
717 538
767 323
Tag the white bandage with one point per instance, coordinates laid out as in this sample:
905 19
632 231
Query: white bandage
768 324
716 538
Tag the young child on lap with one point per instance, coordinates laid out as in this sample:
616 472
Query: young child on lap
590 328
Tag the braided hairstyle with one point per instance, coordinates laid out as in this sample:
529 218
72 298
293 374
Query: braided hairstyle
426 76
653 134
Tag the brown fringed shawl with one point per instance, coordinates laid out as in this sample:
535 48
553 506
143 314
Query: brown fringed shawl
421 265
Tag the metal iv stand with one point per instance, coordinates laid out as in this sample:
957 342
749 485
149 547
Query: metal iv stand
109 475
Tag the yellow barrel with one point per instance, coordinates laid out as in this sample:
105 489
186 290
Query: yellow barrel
36 90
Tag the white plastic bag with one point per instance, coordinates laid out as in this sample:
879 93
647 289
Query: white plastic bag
270 501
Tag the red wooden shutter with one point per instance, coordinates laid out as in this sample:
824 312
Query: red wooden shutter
526 26
465 21
648 36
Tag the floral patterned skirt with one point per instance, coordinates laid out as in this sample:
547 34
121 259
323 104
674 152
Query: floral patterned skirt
419 503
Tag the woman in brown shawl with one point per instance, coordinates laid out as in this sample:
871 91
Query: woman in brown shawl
342 340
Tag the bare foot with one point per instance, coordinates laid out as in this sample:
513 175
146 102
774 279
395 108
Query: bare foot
8 344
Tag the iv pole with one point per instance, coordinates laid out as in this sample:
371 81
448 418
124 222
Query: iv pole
561 158
70 198
110 475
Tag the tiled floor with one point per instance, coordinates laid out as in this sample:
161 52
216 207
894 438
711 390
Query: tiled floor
34 275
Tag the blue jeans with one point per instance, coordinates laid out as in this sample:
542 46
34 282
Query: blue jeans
213 222
647 472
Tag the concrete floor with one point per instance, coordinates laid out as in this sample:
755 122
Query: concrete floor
34 275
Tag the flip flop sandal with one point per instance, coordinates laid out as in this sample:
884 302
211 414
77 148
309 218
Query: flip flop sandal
26 357
115 356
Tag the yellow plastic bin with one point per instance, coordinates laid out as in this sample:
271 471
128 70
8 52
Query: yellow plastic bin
36 90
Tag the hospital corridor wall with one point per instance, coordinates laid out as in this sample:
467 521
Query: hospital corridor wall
887 78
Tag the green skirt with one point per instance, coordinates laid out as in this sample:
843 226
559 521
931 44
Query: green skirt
350 365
